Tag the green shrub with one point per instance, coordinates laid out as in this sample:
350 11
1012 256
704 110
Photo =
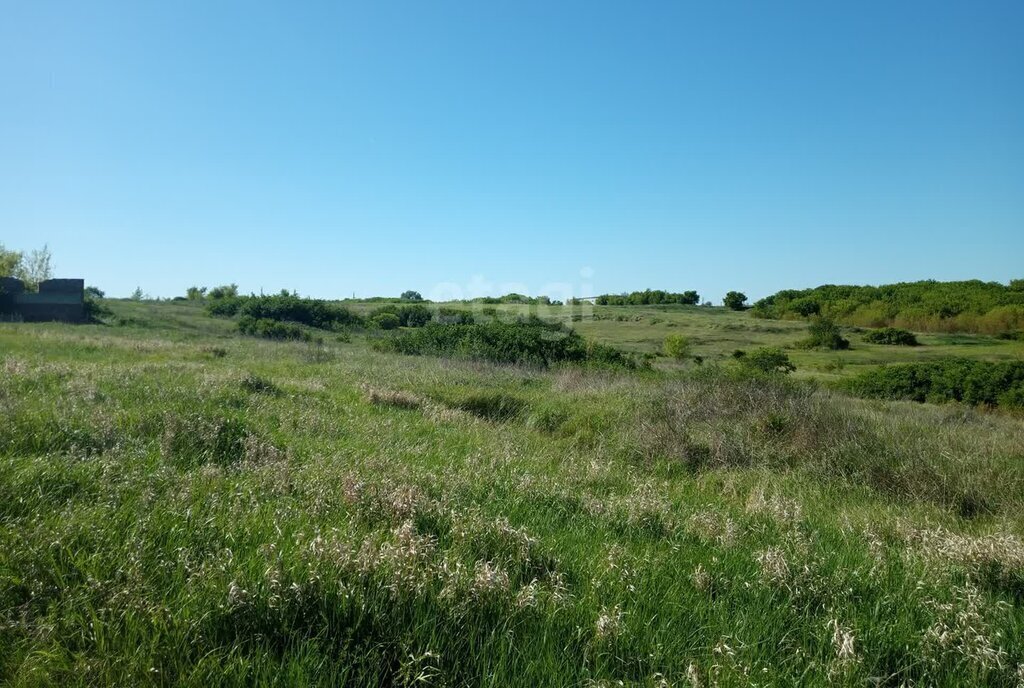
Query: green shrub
824 334
226 291
453 316
415 315
386 321
272 329
531 342
891 335
735 300
767 359
955 379
493 406
677 346
224 307
93 309
289 308
259 385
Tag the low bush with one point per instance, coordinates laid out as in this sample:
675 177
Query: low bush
257 384
492 406
823 333
414 315
94 310
531 342
767 359
891 335
289 308
224 307
956 379
454 316
272 329
386 321
677 346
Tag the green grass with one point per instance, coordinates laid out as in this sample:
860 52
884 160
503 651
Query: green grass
717 332
181 505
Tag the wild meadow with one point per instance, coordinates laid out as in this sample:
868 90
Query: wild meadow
183 504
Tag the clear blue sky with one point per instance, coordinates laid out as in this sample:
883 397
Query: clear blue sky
375 147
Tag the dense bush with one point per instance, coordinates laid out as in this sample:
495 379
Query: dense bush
677 346
313 312
735 300
955 379
225 291
824 334
531 342
767 359
93 309
386 320
967 306
411 296
225 307
891 335
412 315
454 316
648 297
272 329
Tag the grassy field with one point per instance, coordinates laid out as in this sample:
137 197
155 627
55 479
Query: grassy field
180 505
717 332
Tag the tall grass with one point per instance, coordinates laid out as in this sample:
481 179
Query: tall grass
263 516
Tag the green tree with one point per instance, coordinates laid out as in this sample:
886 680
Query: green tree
195 293
736 300
36 267
9 262
225 291
825 334
411 296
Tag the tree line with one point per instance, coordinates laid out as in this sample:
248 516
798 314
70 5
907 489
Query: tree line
929 305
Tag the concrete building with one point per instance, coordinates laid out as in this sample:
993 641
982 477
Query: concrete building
57 299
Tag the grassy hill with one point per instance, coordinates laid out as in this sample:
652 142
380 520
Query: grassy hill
183 505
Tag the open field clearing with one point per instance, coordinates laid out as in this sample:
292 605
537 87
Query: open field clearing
181 505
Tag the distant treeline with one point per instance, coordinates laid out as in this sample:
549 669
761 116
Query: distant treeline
648 297
969 306
515 298
279 316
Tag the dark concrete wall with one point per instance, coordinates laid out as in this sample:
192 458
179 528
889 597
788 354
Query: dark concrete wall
59 299
11 285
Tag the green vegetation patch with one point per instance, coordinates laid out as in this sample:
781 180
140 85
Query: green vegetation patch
272 329
531 342
957 379
648 297
930 306
284 307
893 336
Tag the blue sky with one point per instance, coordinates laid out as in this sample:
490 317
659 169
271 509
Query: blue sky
459 148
